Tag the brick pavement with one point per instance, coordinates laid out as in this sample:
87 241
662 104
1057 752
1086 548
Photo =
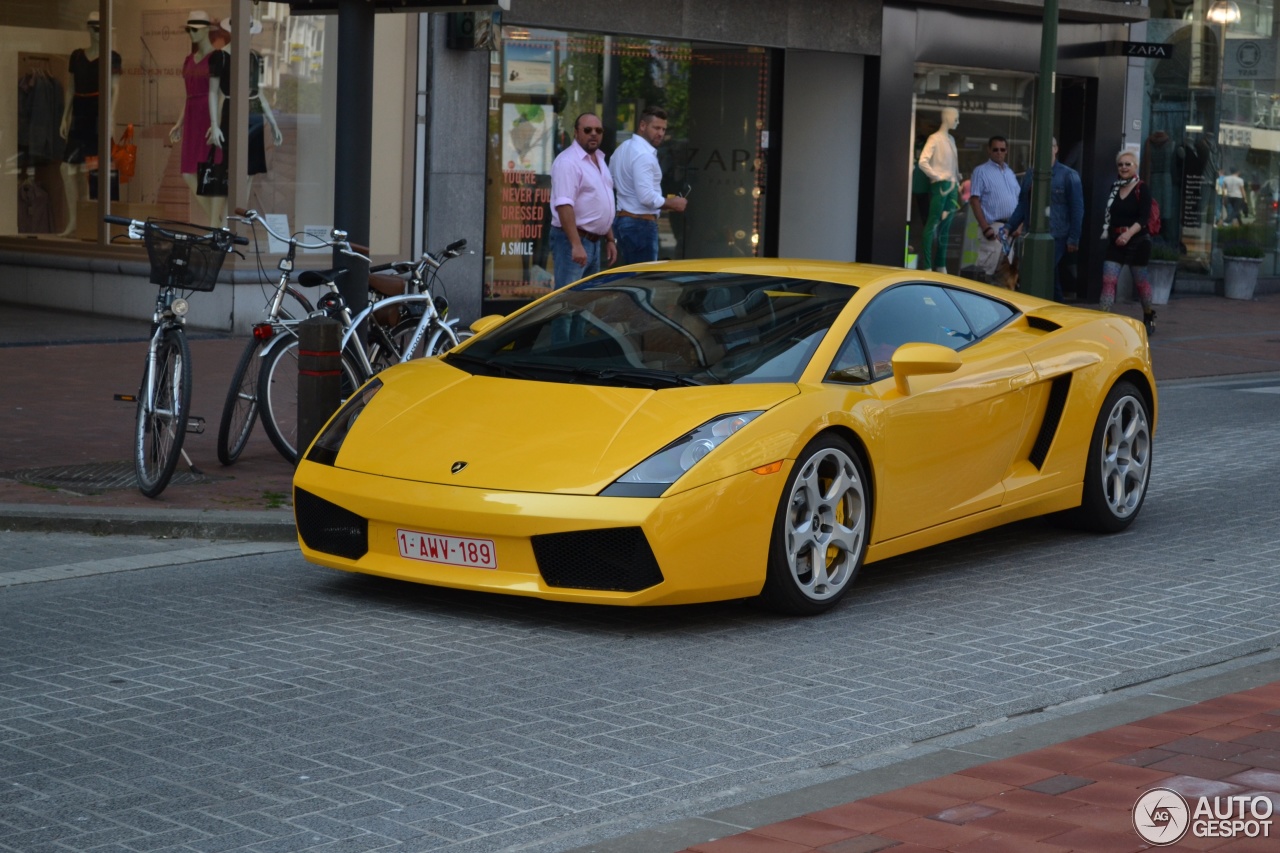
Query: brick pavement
1078 795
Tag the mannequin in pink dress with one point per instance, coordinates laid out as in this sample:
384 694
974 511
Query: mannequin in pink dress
199 117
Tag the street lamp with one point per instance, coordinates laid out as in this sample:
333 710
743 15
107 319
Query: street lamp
1224 13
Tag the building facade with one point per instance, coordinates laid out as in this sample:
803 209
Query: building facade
796 128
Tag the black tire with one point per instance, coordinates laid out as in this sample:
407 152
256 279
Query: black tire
163 411
278 395
240 409
824 513
1118 468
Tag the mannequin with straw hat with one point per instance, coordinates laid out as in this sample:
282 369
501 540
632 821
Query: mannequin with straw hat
196 126
80 121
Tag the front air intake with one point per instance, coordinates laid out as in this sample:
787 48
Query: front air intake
617 558
329 528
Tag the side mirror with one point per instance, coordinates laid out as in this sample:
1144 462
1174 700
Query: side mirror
922 360
486 322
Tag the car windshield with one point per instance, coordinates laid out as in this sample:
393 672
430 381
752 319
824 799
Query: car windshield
664 329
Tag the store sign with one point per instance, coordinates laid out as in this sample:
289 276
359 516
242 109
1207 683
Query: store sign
1250 59
1148 49
1242 136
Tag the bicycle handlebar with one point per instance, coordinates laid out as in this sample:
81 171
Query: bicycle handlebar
112 219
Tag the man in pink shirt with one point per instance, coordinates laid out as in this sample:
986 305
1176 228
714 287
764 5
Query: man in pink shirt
581 205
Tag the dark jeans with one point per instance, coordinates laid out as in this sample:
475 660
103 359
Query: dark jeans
565 270
637 239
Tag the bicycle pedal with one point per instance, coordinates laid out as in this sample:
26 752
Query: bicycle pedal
195 425
125 398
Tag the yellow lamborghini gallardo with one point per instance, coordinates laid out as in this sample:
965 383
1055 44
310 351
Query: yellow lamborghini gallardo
718 429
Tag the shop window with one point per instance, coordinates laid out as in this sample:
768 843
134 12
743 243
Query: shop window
715 152
174 85
960 109
1212 147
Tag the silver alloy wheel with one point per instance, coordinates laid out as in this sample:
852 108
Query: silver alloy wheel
825 525
1126 456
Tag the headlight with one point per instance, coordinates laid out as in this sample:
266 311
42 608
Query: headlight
326 446
651 477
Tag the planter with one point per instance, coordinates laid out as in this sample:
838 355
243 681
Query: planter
1161 273
1240 276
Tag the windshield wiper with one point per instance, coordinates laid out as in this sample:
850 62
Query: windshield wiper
643 377
489 364
646 376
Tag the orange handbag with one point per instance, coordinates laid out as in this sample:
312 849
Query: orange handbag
125 155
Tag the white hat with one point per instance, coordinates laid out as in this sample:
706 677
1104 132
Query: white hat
93 18
255 26
199 17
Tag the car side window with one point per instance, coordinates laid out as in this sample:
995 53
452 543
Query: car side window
851 363
911 313
985 315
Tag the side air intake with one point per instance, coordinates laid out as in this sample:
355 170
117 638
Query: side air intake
1052 418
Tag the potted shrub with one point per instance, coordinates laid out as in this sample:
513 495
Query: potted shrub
1243 248
1161 270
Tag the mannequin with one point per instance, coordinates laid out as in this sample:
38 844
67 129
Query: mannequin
80 121
259 107
940 161
197 125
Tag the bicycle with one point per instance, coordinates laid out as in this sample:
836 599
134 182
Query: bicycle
417 326
181 262
240 408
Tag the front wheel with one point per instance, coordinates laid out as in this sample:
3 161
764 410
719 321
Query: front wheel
278 395
240 410
820 530
1119 464
164 405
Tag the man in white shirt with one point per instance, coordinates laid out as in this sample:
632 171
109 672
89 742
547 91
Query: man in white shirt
638 181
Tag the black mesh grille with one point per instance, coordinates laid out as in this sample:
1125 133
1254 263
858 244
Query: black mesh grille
618 558
328 527
1052 417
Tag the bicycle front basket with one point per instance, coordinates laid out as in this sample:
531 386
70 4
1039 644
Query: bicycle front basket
184 259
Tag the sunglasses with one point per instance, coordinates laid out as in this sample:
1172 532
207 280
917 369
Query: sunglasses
593 130
998 150
1126 166
196 29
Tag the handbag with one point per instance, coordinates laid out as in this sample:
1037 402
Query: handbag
125 155
211 176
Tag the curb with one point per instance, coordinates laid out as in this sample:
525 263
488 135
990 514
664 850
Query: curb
168 524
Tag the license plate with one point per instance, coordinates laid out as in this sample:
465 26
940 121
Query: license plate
449 550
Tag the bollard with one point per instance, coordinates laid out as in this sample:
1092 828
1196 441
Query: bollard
319 376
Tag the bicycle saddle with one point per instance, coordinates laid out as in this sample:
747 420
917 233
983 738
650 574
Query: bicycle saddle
315 278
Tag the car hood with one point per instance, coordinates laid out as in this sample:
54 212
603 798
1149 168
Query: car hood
517 435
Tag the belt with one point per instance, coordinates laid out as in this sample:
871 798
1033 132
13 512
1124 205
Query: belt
594 238
649 216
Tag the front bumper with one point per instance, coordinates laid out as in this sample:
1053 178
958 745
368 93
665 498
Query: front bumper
708 544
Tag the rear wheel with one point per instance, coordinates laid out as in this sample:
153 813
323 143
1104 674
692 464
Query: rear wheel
1119 464
278 395
240 410
164 405
820 530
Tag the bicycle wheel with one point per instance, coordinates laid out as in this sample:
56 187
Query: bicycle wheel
437 339
164 404
240 410
278 395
